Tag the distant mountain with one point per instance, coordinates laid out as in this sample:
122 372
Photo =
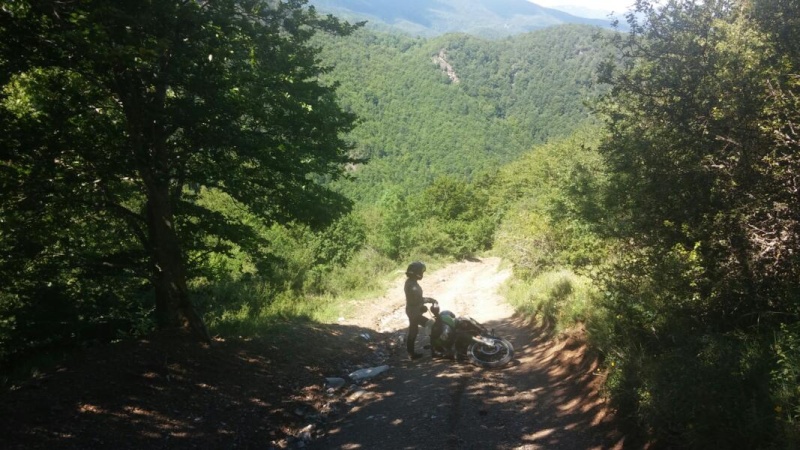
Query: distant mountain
487 18
591 13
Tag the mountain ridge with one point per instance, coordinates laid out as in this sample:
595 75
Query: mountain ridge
429 18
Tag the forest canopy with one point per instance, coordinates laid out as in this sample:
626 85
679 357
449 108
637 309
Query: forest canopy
457 105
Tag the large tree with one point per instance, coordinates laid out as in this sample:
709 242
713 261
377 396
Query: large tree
111 109
703 152
703 145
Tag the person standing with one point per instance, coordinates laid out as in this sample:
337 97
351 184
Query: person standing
415 305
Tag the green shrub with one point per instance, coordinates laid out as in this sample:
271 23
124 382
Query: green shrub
364 274
447 219
683 374
526 239
558 299
785 383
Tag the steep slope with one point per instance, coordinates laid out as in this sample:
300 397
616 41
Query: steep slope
456 104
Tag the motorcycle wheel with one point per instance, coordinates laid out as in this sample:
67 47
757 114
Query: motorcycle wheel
491 356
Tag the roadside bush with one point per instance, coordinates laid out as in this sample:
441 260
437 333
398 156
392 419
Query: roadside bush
785 383
705 391
250 305
558 299
526 238
550 201
685 375
449 218
364 273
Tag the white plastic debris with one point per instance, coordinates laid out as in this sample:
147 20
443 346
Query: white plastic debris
363 374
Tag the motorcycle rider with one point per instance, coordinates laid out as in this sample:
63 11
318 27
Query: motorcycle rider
415 305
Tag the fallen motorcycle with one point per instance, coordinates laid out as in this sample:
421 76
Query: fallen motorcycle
466 338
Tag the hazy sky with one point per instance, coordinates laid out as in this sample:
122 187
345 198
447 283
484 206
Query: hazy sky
618 6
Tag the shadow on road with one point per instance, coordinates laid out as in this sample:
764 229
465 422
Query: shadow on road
172 392
268 393
547 399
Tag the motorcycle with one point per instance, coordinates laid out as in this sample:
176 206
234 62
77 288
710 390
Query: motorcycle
466 338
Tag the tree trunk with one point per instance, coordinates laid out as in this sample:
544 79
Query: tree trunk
144 112
173 307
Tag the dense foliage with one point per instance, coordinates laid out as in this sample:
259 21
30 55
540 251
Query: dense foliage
457 105
120 119
703 298
549 201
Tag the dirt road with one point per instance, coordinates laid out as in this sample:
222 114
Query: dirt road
168 391
547 398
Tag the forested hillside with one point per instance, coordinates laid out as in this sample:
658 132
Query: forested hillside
458 105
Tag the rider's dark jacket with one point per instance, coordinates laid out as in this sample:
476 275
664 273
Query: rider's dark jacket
414 299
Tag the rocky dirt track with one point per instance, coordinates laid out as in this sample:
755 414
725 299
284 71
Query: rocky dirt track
547 398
